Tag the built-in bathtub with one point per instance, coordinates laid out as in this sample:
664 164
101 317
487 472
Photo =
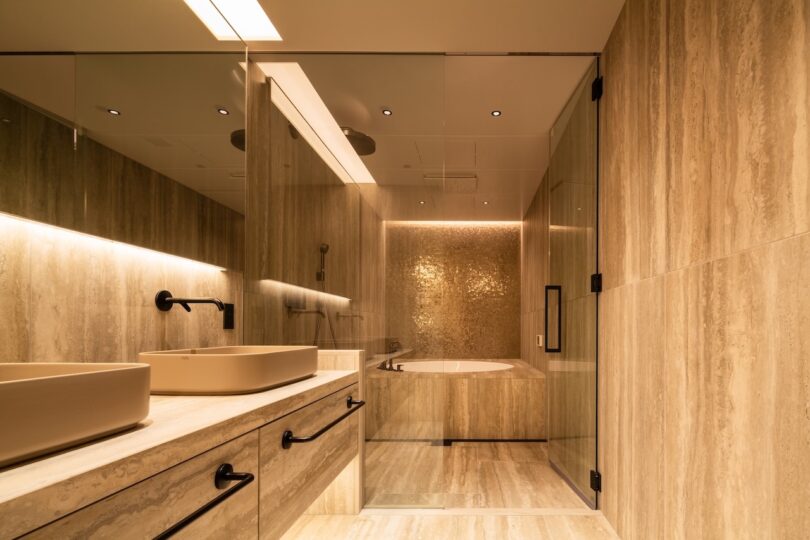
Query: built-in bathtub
430 399
454 366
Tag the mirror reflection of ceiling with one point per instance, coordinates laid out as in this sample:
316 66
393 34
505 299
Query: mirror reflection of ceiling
168 103
441 155
315 25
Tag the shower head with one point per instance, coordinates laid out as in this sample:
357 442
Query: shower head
362 143
238 139
324 248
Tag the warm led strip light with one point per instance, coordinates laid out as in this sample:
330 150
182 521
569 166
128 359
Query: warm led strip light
235 20
453 223
92 241
292 92
280 286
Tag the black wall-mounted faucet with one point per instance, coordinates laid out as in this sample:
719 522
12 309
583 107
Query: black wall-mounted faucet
164 301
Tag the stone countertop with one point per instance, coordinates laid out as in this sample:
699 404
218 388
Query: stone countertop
177 428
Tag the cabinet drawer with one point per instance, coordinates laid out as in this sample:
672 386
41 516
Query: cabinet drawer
292 478
148 508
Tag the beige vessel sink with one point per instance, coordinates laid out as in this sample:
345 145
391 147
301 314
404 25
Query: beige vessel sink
49 406
229 370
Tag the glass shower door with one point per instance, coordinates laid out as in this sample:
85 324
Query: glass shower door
571 307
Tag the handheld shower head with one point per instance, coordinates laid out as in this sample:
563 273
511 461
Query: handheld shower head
321 274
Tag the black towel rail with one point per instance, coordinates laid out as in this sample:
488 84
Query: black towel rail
222 478
288 439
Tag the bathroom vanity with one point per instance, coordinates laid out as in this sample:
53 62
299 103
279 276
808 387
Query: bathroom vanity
284 447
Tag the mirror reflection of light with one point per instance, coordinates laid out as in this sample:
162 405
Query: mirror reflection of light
93 245
453 223
280 287
295 96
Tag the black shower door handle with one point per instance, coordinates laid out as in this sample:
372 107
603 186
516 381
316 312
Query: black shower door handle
553 290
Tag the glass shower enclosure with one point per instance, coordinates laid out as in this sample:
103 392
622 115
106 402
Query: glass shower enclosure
571 297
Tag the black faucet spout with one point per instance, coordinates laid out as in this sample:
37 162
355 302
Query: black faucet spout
164 301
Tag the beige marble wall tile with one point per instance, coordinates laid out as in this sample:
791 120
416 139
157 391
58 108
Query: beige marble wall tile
82 299
735 297
738 160
534 272
633 188
738 386
15 290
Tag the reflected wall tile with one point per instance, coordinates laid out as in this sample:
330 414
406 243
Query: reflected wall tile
12 172
54 190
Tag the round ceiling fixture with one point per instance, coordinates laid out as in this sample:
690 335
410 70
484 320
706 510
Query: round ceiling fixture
421 202
223 111
362 143
486 203
114 112
496 113
238 139
387 112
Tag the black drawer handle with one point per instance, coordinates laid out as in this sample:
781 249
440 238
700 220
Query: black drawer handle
288 439
222 478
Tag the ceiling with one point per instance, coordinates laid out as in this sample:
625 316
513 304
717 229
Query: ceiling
441 154
315 25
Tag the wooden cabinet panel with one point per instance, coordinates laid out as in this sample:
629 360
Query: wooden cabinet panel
291 479
155 504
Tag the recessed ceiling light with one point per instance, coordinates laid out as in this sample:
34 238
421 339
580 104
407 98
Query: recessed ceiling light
232 20
486 203
223 111
114 112
387 112
495 113
421 202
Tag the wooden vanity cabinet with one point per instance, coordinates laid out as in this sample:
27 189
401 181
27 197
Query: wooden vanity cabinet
286 482
150 507
292 478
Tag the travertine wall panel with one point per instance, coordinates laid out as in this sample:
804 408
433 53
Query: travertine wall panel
704 380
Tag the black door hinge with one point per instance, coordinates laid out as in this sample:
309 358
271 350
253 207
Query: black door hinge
596 89
596 481
596 283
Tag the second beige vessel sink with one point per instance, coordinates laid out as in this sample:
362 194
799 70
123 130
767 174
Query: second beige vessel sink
49 406
229 370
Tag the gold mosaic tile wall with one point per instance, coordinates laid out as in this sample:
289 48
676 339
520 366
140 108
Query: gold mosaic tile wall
453 291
